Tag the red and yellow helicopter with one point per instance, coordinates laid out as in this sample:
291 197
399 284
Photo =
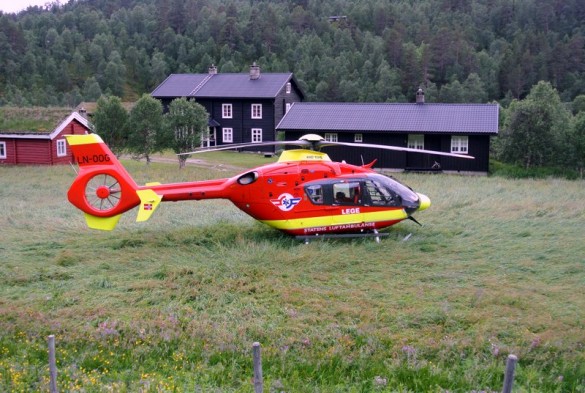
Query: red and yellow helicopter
304 193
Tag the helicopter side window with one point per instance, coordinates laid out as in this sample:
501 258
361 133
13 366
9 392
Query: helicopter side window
380 195
347 193
315 194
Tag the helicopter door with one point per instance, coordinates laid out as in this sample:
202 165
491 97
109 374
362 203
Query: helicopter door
336 194
348 196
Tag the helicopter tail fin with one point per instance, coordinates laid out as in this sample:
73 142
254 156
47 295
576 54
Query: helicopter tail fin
103 189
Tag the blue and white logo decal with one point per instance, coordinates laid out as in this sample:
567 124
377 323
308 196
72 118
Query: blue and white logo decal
285 202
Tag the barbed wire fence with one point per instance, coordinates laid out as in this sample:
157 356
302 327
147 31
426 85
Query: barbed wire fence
257 362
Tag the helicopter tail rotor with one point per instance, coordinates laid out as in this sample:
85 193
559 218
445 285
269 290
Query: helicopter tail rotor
103 189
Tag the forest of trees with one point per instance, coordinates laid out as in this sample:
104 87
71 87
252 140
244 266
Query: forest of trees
528 55
376 51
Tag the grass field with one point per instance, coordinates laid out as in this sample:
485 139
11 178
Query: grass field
175 304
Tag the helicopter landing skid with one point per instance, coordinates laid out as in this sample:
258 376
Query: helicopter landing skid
307 238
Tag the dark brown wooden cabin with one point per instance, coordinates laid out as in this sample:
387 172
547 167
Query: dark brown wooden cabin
454 128
243 108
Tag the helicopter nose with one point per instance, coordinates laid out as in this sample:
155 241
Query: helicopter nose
424 201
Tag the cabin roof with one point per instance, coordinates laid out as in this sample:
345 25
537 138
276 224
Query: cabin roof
229 85
49 134
392 117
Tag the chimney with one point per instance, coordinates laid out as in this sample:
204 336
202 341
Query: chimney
212 70
420 96
254 71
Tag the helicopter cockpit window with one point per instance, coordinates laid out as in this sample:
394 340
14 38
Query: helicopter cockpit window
380 195
347 193
315 193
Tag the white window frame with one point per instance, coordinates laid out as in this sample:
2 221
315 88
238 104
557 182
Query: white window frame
288 88
227 135
287 107
61 148
460 144
330 137
358 138
3 153
227 111
256 111
256 135
416 141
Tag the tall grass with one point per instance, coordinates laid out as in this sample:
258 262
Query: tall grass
518 172
174 304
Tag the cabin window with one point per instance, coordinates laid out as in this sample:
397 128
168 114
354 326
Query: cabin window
227 135
256 111
315 193
256 135
347 193
226 111
61 148
288 89
330 137
358 138
416 141
460 144
2 149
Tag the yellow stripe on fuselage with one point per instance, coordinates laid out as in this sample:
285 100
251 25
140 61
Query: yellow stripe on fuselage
338 219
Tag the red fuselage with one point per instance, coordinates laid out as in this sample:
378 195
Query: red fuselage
299 197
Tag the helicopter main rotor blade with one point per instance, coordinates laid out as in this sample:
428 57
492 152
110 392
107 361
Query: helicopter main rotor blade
244 145
316 142
396 148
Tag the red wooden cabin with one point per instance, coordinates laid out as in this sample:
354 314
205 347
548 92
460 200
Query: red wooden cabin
41 148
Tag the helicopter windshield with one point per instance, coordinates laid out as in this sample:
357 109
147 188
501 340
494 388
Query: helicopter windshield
373 190
381 195
388 191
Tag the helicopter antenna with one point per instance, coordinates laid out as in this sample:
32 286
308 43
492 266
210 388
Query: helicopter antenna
414 219
73 167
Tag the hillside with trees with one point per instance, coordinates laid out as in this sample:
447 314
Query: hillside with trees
340 50
527 55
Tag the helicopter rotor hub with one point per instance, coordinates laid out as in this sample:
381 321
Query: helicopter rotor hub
102 192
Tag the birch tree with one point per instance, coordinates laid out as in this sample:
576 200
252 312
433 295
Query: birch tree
185 123
145 128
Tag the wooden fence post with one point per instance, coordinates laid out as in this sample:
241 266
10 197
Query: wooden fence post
52 365
257 368
509 376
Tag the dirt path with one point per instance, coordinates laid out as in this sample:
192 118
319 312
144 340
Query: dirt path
191 162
